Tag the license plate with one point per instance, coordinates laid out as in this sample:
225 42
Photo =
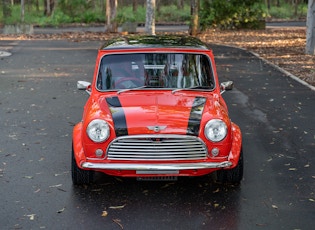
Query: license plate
161 172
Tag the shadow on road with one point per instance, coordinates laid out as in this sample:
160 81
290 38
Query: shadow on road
189 203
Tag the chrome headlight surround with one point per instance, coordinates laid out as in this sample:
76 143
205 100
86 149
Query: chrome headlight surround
215 130
98 130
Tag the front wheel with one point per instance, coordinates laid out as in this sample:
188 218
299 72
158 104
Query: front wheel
80 176
234 175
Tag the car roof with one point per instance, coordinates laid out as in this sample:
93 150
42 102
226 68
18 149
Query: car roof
154 41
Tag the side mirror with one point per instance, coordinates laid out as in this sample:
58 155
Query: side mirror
227 85
84 85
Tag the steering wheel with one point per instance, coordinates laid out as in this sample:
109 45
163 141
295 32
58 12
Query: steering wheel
134 80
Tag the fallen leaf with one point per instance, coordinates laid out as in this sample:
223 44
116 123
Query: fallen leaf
167 185
60 189
118 221
117 207
104 213
55 186
31 216
61 210
28 177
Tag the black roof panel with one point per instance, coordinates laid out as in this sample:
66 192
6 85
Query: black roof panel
152 41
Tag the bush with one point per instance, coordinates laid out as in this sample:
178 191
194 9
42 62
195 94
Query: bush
126 14
286 11
231 14
172 14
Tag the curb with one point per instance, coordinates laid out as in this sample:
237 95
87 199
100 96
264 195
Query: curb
273 65
283 71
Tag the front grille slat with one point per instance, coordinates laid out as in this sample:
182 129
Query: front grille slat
154 149
157 147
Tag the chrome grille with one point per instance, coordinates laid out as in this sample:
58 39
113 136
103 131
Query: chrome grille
157 147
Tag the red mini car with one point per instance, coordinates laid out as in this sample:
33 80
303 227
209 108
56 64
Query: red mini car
155 111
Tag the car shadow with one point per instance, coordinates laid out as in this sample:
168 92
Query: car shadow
188 203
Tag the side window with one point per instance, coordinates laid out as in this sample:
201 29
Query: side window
206 72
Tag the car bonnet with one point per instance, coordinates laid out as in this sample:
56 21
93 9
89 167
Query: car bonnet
154 113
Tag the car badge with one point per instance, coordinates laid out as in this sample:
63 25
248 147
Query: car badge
157 128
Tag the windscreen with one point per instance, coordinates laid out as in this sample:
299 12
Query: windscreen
155 70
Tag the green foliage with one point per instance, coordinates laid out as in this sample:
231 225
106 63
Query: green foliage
172 14
15 17
231 14
168 13
126 14
286 11
74 8
213 13
56 19
90 16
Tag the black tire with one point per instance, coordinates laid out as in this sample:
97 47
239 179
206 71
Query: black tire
80 176
232 176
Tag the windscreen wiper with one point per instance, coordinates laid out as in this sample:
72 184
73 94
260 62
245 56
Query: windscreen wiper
137 88
190 88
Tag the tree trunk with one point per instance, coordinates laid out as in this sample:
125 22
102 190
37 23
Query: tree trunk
111 11
22 11
158 6
134 6
296 7
49 7
267 2
310 24
150 17
37 5
194 24
180 4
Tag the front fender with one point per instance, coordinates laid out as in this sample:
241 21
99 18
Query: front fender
235 152
77 145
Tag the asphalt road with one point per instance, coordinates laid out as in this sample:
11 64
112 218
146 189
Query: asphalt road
40 104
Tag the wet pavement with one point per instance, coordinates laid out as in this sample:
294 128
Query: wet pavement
40 104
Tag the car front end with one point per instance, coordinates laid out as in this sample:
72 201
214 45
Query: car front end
172 122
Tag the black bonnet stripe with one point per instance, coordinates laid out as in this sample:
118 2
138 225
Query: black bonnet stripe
118 115
195 116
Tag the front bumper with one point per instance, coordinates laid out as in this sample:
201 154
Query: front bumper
156 167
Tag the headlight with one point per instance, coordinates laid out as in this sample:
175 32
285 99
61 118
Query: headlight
215 130
98 130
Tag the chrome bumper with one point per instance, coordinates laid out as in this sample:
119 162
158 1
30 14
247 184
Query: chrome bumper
149 167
